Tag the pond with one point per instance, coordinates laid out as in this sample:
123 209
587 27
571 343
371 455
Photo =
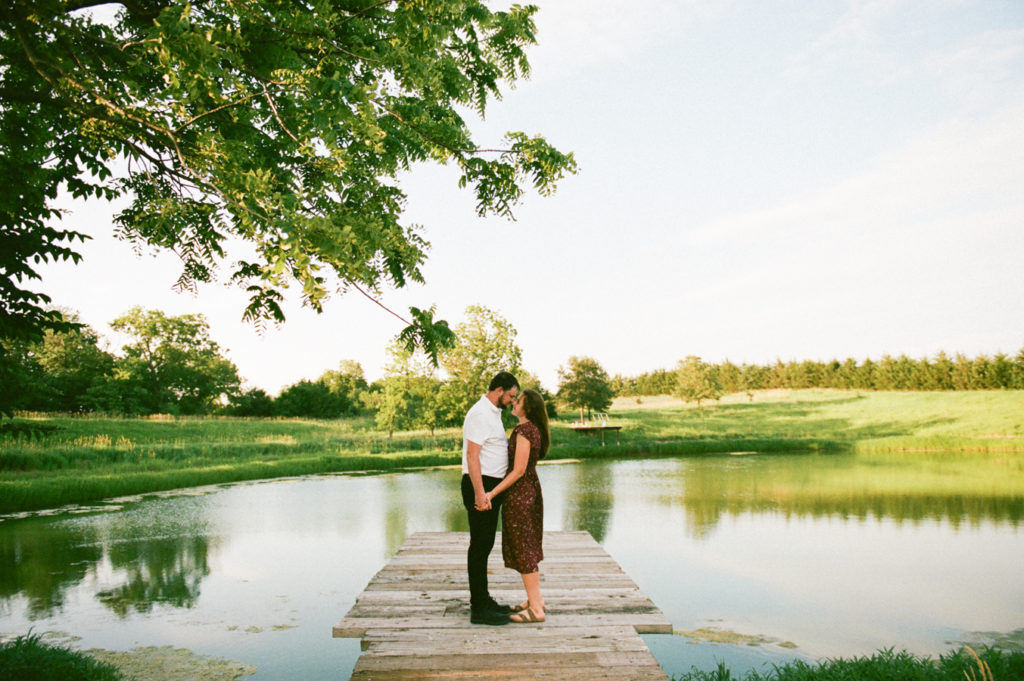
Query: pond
760 558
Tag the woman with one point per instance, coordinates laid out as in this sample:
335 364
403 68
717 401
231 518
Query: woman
522 511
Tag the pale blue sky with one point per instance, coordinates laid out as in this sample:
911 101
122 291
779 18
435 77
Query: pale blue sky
757 181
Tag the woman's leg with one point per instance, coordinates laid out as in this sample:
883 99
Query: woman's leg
533 609
532 583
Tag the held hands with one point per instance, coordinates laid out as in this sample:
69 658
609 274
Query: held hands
484 504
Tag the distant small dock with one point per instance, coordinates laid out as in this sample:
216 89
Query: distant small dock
413 617
596 428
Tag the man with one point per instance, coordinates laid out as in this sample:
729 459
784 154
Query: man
484 462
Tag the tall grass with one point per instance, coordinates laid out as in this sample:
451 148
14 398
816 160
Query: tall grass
48 461
28 658
887 665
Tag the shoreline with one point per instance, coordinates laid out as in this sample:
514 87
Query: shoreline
72 460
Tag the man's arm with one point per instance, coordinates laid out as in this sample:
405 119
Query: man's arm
475 476
518 466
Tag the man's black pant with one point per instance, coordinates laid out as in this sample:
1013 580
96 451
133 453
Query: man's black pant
482 526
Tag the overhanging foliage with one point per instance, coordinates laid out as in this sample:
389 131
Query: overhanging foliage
285 124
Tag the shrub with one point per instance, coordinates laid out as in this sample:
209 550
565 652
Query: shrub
28 658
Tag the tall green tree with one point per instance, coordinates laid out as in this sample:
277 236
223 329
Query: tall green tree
486 345
942 371
19 376
346 384
284 124
72 364
584 384
25 315
407 394
729 377
58 371
1017 375
531 381
391 404
695 381
962 374
173 362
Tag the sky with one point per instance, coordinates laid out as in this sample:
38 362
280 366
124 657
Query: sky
758 181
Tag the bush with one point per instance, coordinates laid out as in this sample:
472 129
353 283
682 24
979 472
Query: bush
27 658
312 399
253 402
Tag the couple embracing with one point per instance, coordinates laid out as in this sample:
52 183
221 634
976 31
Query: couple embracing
499 476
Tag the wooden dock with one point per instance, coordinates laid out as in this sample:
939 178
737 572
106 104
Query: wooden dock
597 428
413 617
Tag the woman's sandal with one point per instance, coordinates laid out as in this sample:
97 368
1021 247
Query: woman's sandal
527 616
522 606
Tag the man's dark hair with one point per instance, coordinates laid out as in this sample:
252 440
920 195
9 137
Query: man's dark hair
503 380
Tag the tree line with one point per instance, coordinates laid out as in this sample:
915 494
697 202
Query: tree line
170 365
693 376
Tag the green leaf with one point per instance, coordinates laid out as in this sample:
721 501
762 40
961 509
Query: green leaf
432 337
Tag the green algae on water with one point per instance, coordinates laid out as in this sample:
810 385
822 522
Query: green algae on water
1008 640
715 636
172 664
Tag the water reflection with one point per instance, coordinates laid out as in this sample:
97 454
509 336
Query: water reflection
166 570
395 516
789 546
139 558
590 498
455 518
149 557
902 488
41 559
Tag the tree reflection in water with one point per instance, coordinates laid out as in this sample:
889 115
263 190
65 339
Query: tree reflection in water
589 500
141 557
165 570
902 487
41 559
159 551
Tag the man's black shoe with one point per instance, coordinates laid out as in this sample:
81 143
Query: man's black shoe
487 617
495 606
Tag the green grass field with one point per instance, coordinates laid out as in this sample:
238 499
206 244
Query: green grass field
49 461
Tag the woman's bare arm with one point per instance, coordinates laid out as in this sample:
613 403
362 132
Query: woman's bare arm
518 467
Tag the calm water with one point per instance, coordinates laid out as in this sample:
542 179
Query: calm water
839 555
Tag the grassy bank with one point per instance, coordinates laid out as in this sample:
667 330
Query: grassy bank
41 658
50 461
961 665
31 659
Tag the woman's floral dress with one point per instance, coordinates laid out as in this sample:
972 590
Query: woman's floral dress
522 510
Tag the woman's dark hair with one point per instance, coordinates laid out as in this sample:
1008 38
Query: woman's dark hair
503 380
537 413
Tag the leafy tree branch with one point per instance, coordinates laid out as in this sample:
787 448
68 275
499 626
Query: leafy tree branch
280 124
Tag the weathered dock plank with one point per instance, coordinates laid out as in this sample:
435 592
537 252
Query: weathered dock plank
357 627
413 617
